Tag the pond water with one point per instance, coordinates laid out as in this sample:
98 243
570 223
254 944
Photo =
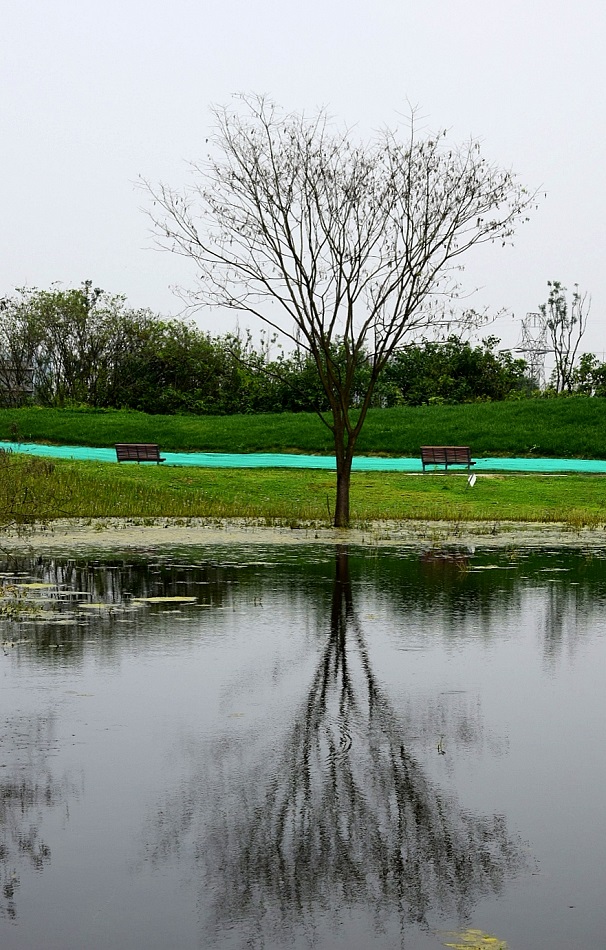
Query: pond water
269 747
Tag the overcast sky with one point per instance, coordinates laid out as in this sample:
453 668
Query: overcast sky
95 93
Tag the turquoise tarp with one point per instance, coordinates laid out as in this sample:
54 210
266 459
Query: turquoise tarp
269 460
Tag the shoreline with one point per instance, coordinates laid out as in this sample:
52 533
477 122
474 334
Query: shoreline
78 535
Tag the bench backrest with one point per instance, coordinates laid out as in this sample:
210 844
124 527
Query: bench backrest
137 452
446 454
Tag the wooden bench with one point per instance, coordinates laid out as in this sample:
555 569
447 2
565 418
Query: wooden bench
138 452
446 455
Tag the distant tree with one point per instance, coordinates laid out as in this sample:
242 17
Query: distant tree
566 325
168 366
589 376
19 342
66 335
452 372
330 241
86 347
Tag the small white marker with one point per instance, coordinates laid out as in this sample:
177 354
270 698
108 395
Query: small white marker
472 479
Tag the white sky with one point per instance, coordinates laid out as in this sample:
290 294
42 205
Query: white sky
94 93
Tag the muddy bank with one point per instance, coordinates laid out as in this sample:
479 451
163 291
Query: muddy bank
125 534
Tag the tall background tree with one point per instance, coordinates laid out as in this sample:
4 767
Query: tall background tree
341 246
566 324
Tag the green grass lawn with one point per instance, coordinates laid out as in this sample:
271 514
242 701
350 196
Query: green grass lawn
32 489
572 427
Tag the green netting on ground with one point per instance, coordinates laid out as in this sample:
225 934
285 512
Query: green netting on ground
275 460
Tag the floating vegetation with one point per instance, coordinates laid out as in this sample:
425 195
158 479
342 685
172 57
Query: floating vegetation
474 940
37 585
9 644
165 600
15 603
30 600
492 567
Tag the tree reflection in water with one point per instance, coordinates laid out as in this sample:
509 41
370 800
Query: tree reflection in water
27 790
344 818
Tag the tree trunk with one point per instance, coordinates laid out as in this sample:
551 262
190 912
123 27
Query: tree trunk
345 437
344 460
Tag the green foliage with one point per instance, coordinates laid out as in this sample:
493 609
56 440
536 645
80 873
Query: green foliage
589 376
453 372
172 367
66 336
88 348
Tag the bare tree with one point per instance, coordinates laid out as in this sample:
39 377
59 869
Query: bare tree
566 327
344 247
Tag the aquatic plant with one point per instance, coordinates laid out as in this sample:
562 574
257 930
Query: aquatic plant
15 603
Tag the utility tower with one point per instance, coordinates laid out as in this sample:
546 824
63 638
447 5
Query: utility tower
534 346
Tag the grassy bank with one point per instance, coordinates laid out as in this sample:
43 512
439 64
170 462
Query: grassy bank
563 428
36 489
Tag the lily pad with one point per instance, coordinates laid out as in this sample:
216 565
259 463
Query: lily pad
474 940
165 600
38 585
492 567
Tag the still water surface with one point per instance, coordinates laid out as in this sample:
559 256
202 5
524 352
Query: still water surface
328 748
